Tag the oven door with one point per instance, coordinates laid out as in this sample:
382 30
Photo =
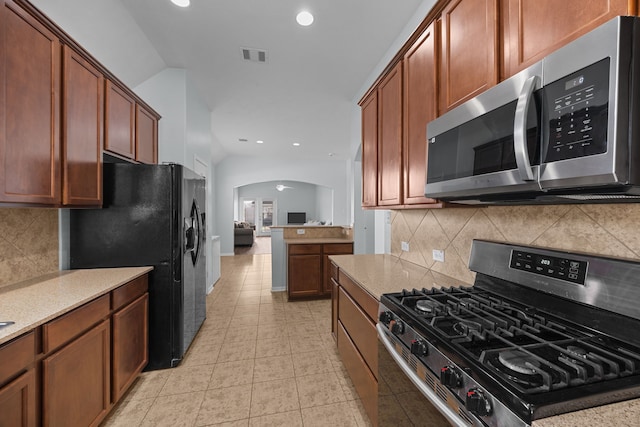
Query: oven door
490 144
406 395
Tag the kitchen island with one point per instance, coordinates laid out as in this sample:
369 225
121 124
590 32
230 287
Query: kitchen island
366 278
78 341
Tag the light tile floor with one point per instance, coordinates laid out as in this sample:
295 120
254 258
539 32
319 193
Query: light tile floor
258 360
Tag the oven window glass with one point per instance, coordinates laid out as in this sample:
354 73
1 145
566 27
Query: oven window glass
578 109
482 145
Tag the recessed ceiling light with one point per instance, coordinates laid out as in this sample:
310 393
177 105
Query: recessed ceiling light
331 154
296 144
259 142
304 18
181 3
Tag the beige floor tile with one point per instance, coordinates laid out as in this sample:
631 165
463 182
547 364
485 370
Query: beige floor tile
319 390
335 415
301 328
268 331
230 374
273 347
271 318
288 419
362 419
306 344
129 413
311 363
241 333
224 405
233 351
239 423
202 353
346 384
298 316
148 385
273 397
245 319
185 379
273 368
178 410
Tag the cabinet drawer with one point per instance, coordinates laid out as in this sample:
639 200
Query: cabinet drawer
128 292
362 378
305 249
64 328
333 272
360 329
16 355
364 299
338 248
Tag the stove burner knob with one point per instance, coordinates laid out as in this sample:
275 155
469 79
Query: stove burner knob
450 377
397 327
419 348
477 403
385 317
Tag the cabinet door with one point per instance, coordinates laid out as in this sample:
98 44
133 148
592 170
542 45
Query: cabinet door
469 46
29 109
370 150
332 249
390 138
420 107
18 401
534 29
75 381
120 110
130 349
304 270
83 118
146 136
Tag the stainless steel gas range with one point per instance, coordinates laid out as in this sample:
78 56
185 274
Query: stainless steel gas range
540 333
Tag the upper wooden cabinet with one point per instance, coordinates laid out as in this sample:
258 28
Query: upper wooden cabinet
120 121
83 128
420 107
390 138
531 30
29 109
146 135
370 150
469 59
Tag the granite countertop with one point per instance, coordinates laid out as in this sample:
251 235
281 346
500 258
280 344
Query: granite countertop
34 302
379 274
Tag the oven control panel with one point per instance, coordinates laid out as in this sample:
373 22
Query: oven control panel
570 270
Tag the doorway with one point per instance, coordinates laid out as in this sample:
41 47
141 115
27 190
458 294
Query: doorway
258 212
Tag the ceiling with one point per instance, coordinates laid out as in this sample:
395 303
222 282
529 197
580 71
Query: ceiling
305 92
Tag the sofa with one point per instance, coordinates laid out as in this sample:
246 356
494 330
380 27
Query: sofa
244 234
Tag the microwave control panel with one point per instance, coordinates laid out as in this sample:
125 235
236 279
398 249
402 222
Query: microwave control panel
570 270
578 107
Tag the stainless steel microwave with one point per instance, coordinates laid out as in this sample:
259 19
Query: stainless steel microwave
564 130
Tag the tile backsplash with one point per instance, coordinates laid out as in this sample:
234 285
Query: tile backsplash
612 229
28 243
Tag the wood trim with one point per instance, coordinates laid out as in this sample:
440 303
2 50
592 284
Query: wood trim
129 291
364 299
360 328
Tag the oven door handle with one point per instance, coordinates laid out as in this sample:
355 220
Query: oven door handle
444 409
520 129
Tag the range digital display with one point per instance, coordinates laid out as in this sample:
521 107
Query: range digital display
567 269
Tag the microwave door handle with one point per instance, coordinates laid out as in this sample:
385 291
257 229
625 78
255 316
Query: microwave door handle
520 129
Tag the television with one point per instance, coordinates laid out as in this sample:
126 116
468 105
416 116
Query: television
296 217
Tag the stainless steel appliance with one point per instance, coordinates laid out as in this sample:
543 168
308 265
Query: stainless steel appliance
563 130
540 333
151 215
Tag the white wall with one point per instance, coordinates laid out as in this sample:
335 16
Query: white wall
235 171
302 197
324 205
184 135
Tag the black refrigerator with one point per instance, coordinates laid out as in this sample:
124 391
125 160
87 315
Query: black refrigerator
152 215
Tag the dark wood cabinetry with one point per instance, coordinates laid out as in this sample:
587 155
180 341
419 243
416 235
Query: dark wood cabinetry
390 138
75 380
309 268
73 369
83 129
370 150
29 109
420 107
146 136
120 119
533 29
469 46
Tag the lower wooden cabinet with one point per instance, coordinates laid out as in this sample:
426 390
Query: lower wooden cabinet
130 344
75 380
308 268
72 370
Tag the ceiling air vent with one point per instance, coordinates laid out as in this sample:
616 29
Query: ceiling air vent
254 55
